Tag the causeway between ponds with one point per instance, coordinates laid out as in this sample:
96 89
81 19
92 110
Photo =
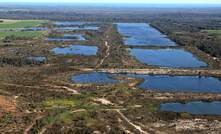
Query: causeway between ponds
158 71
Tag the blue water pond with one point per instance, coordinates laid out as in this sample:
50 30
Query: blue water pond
93 28
142 34
76 50
68 37
36 59
195 108
158 82
176 58
95 78
179 83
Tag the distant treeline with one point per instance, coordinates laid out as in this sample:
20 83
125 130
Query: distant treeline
110 14
189 31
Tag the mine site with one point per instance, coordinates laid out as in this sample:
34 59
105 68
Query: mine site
107 69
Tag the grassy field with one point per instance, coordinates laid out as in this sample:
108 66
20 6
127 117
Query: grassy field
23 34
11 24
214 32
20 24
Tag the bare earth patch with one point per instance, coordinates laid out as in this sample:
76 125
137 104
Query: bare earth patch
7 104
104 101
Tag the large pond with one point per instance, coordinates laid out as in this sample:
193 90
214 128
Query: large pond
68 37
142 34
177 58
94 78
159 82
94 28
179 83
76 50
196 108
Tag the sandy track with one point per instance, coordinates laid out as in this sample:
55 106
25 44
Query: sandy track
107 53
132 124
26 131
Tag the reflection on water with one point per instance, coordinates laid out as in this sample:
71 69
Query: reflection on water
177 58
197 108
142 34
94 77
76 28
76 50
159 82
68 37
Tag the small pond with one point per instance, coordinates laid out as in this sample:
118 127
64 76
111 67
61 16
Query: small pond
79 37
36 60
94 28
76 50
68 37
94 78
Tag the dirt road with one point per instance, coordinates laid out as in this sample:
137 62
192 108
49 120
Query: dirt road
107 53
164 71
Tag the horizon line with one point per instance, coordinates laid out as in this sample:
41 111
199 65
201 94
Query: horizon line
112 3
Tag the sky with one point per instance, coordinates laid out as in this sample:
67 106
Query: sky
122 1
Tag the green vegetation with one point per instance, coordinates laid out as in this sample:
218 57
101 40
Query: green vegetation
214 32
7 25
61 103
22 34
67 110
20 24
185 115
58 116
4 120
153 107
78 102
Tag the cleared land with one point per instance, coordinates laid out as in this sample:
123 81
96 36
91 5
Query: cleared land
10 24
216 33
10 29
